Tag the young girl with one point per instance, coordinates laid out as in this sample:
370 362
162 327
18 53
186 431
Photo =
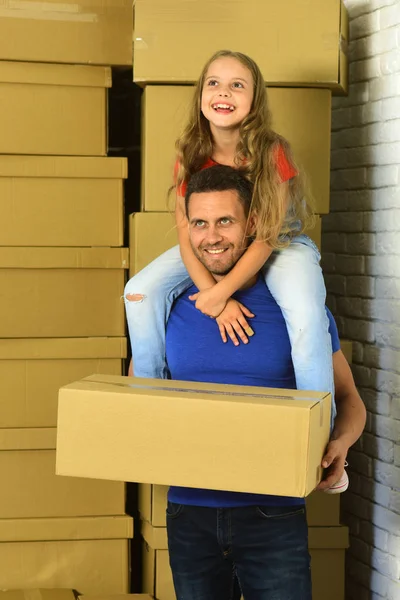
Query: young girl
230 124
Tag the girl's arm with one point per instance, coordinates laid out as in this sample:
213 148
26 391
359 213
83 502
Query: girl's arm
212 301
247 266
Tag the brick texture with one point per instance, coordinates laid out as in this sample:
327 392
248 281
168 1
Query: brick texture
361 248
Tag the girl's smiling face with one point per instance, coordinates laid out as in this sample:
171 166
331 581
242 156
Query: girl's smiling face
227 93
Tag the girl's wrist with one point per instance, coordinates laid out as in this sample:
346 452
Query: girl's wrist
222 290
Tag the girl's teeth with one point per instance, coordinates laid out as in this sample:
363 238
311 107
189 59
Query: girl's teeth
223 106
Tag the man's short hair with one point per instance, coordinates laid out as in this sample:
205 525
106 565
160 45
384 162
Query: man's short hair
220 178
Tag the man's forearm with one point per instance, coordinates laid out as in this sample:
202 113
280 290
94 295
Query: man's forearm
350 420
351 413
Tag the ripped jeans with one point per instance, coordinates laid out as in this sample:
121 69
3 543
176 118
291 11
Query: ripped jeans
294 278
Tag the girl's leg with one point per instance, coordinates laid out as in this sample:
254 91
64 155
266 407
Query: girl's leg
148 298
295 279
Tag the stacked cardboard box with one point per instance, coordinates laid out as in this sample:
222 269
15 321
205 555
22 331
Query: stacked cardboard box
64 594
118 597
62 273
63 31
308 46
49 594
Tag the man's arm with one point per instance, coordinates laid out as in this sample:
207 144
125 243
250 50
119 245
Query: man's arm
349 422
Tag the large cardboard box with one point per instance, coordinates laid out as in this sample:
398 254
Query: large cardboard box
62 292
151 234
88 554
169 432
302 116
61 201
37 595
323 510
294 43
63 31
53 109
33 370
31 488
327 549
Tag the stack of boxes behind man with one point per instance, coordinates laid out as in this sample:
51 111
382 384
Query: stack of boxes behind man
301 52
62 272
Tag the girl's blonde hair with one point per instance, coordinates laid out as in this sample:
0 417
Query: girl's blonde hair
256 155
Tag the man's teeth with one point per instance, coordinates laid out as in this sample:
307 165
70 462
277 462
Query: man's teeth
224 106
216 251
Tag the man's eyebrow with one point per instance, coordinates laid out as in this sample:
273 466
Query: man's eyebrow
230 217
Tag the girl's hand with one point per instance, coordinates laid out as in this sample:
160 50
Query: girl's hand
232 321
209 302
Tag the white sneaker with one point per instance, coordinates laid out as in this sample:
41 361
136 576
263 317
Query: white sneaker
341 485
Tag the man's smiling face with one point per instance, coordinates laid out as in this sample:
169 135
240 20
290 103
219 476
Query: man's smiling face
217 229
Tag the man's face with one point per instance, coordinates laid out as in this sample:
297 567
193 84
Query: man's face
217 230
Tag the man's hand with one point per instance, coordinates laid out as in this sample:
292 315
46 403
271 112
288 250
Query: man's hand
232 322
209 301
333 463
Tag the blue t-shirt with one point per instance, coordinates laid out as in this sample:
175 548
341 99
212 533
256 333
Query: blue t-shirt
195 352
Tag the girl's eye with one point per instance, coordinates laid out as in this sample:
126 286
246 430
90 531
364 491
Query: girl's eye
212 82
237 84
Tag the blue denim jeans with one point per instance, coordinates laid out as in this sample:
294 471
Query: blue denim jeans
295 280
219 553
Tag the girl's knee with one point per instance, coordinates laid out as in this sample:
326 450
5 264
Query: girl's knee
134 291
139 288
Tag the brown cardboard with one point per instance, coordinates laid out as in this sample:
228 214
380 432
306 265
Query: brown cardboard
326 545
304 40
95 437
118 597
322 509
151 234
63 31
344 51
53 109
62 528
37 595
31 488
303 116
61 201
346 347
33 370
88 554
156 574
72 292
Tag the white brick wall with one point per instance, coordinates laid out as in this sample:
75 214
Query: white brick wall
361 259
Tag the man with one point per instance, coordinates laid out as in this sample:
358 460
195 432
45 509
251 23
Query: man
217 538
